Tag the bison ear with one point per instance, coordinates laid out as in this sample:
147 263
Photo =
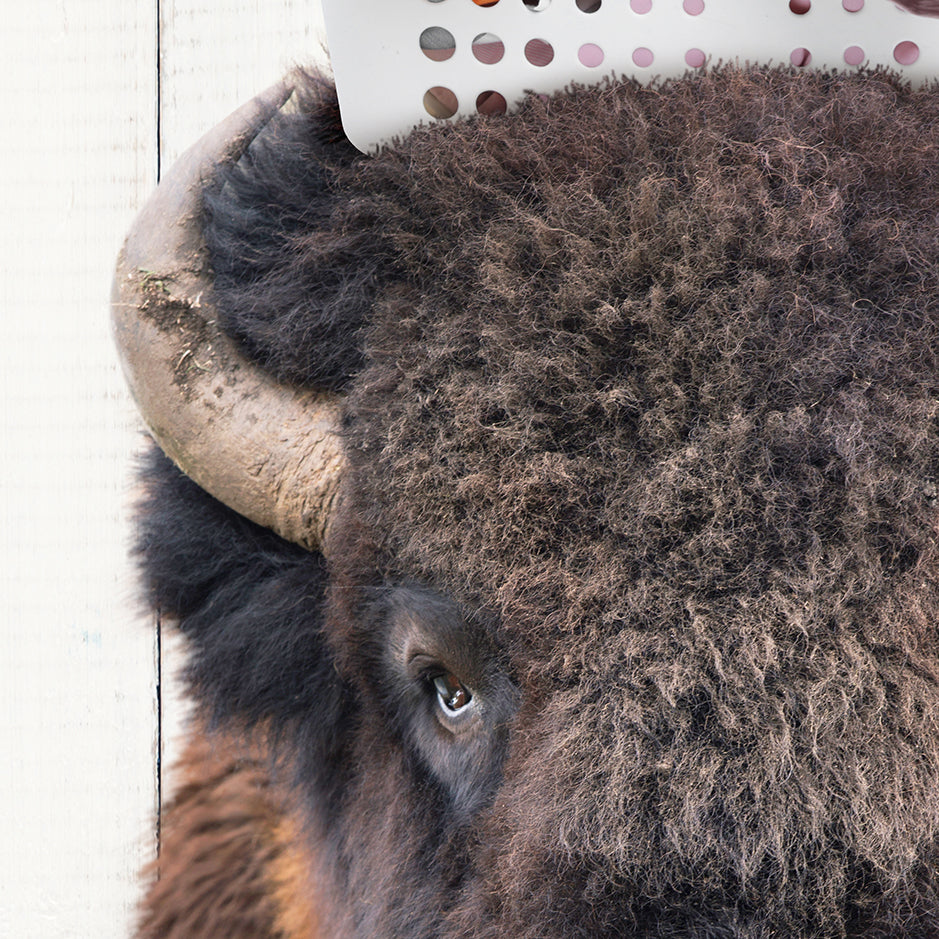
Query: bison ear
249 603
292 283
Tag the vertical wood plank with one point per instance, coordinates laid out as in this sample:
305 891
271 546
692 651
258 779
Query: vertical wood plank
77 667
213 57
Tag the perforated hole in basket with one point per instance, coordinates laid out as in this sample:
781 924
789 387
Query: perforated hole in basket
591 55
539 52
437 43
491 102
440 102
488 48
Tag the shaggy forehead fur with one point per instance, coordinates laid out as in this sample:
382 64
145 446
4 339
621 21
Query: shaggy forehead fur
650 378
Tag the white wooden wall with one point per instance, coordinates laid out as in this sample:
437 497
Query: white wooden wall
94 96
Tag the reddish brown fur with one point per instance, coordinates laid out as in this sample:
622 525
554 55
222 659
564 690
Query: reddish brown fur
233 861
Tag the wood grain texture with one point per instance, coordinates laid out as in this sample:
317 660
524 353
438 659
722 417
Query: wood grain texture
78 725
214 56
79 103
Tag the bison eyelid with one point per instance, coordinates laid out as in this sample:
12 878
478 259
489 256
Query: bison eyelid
424 667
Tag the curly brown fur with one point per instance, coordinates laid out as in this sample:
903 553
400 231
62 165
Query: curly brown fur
683 346
644 382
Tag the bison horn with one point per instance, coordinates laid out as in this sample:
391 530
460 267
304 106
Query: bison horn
267 451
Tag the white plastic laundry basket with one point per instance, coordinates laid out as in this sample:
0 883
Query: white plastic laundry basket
400 62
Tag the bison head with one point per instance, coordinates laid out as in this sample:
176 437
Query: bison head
581 578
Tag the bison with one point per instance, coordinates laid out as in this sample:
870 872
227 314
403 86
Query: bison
550 507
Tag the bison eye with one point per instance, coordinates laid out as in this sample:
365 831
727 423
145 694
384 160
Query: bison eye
453 697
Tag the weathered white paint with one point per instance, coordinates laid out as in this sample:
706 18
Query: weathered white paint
78 670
